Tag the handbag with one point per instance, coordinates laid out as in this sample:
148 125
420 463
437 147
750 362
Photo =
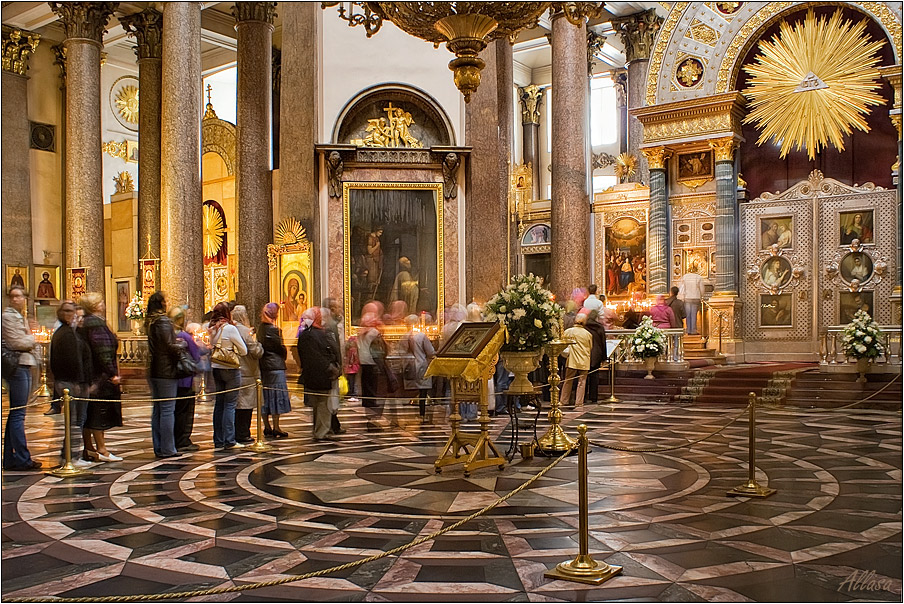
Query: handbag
185 365
10 361
224 356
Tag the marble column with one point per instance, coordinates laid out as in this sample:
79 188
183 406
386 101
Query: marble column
84 24
181 253
16 186
570 216
298 128
621 101
531 100
638 33
726 218
147 29
488 131
658 222
253 189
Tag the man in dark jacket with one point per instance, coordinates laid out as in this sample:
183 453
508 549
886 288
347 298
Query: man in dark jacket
70 363
320 365
677 307
597 354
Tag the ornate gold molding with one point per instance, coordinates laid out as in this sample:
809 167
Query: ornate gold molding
638 32
17 45
114 149
893 74
147 29
254 11
662 42
390 131
703 33
694 119
124 182
531 98
656 157
84 20
723 148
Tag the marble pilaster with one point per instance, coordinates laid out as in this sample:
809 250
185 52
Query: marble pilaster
85 24
726 218
16 187
531 97
254 194
488 130
570 215
147 29
299 196
658 222
181 253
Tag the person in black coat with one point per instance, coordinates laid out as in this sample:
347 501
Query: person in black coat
320 365
70 363
164 349
597 354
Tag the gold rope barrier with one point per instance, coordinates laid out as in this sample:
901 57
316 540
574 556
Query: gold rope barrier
294 578
751 488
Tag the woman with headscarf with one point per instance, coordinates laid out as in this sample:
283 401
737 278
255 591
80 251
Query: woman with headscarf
104 410
250 370
226 378
371 356
320 364
164 349
184 415
273 371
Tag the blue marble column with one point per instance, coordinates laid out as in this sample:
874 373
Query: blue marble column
726 218
658 223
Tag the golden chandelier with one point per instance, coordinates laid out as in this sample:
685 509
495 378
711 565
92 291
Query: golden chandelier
465 27
813 82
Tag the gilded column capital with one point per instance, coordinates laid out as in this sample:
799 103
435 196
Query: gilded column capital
595 43
578 12
531 98
147 29
723 148
254 11
894 76
656 157
59 59
638 32
84 20
17 45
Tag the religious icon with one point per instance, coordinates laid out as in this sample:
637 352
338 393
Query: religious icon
626 258
123 297
856 265
776 230
469 340
850 302
294 301
78 282
538 234
856 225
45 288
17 275
775 310
698 164
48 279
776 272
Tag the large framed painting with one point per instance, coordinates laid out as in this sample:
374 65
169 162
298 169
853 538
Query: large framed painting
776 230
17 275
123 297
626 258
695 166
850 302
535 235
857 224
776 310
393 253
291 284
48 279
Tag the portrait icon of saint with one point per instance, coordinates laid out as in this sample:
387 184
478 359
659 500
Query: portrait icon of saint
46 289
17 279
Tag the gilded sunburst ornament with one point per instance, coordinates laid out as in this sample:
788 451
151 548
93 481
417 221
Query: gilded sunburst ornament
813 82
127 103
625 166
214 231
289 232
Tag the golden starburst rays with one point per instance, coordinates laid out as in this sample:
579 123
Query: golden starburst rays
214 231
625 165
127 103
813 82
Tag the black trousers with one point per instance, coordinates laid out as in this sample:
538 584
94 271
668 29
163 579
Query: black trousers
184 417
243 424
593 384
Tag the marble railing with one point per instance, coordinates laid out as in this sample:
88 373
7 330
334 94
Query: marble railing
831 348
133 351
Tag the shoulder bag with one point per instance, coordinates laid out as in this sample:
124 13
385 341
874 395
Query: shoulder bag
10 361
224 356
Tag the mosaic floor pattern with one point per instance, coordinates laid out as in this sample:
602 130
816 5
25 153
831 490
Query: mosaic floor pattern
219 519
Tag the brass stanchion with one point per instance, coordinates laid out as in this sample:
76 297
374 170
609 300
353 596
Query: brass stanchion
612 364
583 569
202 395
259 444
751 488
67 469
555 440
43 390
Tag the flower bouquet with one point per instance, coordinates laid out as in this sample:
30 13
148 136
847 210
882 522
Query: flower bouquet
135 309
647 343
528 311
860 340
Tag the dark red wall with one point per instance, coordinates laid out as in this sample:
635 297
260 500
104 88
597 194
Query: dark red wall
867 156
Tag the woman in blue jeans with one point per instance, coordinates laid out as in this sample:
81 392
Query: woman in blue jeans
17 336
164 349
226 377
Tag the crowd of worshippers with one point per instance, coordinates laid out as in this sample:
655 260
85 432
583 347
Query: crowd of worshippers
233 355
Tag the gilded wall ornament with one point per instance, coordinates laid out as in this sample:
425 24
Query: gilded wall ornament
124 101
813 83
289 232
450 183
701 32
531 98
17 45
390 131
124 182
625 166
728 8
214 231
689 72
656 156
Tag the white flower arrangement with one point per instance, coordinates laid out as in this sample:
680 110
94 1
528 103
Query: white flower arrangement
135 309
860 339
528 311
647 341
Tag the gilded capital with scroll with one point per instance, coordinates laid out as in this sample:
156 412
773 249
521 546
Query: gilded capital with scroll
656 157
723 148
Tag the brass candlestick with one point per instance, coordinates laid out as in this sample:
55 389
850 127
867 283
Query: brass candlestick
555 440
43 390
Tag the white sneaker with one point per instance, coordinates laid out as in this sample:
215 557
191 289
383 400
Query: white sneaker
82 464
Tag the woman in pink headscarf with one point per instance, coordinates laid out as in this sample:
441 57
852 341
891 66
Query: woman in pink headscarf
371 357
273 371
321 364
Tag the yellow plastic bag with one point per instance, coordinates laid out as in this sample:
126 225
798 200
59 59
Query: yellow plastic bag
343 385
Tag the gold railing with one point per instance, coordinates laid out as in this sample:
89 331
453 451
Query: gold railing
705 325
831 349
674 338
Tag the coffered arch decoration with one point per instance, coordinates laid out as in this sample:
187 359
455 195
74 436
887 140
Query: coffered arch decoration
721 40
430 125
218 136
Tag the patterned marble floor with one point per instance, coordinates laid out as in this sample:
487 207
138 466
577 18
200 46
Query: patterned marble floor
148 526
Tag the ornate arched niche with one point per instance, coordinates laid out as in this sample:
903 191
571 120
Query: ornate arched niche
218 136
